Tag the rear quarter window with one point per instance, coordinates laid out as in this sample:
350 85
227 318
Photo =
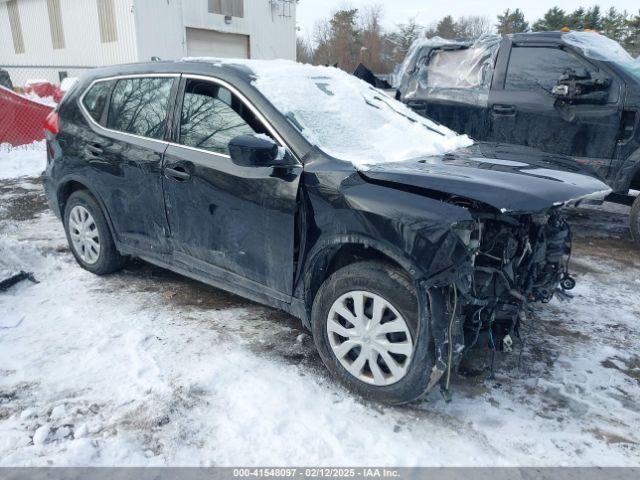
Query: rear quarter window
96 98
139 106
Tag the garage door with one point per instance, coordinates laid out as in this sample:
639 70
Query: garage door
208 43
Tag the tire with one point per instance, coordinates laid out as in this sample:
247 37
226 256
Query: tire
394 287
105 258
634 217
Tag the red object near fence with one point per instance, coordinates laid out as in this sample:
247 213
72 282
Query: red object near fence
21 120
44 90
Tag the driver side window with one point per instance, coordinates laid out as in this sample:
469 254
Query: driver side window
535 68
212 116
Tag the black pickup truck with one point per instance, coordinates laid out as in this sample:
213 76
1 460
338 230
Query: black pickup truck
569 93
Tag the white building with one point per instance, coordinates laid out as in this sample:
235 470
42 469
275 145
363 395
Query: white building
66 35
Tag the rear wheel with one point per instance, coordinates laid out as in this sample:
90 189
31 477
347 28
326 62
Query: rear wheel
89 236
635 220
367 329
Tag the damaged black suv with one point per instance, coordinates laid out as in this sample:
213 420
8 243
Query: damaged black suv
399 243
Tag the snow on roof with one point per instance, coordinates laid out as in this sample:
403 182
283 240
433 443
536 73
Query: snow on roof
597 46
346 117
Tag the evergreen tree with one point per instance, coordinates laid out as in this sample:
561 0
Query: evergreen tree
576 19
511 22
554 19
614 24
397 42
593 19
446 28
632 39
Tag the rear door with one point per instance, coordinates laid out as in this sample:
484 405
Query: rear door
125 159
234 223
524 112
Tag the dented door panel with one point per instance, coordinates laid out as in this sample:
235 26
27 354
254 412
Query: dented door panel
239 219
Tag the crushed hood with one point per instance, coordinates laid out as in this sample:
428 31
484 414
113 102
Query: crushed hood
509 178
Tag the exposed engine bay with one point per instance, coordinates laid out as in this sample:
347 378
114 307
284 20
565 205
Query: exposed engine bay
516 261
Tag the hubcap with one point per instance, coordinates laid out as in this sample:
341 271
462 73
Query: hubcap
84 234
370 338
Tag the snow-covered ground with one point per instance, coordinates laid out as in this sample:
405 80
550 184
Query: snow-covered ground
26 160
145 367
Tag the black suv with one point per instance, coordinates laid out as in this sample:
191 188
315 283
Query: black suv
399 243
568 93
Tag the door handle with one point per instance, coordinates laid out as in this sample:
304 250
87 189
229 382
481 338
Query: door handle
506 110
177 173
94 150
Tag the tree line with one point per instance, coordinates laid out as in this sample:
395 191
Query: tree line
352 36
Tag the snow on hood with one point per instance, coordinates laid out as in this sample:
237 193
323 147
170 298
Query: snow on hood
346 117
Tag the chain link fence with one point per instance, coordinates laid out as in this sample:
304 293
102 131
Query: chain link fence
27 96
23 75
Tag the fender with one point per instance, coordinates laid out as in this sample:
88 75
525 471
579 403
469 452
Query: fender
314 271
386 248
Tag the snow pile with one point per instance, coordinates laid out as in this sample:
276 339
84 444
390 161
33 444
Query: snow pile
346 117
49 101
23 161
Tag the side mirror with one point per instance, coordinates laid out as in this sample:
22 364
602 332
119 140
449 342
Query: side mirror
255 151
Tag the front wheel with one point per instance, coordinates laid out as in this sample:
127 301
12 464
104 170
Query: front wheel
368 332
635 220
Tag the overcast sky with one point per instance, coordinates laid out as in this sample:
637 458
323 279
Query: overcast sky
428 11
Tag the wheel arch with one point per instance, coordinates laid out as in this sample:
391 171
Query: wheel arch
73 184
337 252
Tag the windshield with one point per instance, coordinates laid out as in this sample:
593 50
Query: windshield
347 118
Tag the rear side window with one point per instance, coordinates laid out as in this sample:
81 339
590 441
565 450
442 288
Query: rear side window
96 98
139 106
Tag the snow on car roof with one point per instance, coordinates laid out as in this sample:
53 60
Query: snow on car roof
597 46
344 116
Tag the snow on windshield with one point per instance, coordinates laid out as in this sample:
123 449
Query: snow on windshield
346 117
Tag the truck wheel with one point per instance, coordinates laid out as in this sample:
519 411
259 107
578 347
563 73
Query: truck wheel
634 216
89 236
367 330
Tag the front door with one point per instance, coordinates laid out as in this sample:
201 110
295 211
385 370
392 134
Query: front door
231 222
523 110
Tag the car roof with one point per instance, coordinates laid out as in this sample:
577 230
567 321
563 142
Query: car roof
537 36
219 68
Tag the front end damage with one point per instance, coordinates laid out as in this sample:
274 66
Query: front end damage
513 262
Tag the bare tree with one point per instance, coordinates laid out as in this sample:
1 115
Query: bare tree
372 38
304 50
321 36
473 26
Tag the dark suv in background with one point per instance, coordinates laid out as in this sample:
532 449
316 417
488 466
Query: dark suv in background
398 242
568 93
